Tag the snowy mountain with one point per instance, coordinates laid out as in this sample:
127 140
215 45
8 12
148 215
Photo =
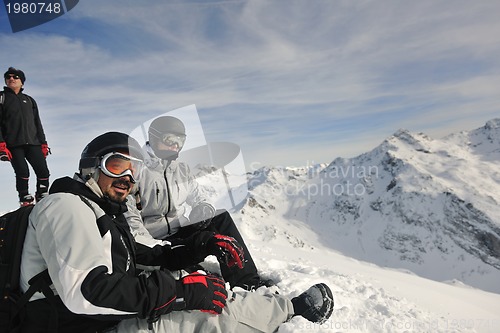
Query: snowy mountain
429 206
406 235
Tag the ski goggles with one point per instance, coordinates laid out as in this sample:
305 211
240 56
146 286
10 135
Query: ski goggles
171 139
117 165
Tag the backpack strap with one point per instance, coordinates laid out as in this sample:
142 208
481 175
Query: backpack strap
39 283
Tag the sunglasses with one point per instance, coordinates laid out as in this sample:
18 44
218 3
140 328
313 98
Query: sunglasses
117 165
8 76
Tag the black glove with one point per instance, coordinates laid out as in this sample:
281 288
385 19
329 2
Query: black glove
201 216
201 292
227 250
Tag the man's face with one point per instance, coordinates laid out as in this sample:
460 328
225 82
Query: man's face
116 189
169 146
13 82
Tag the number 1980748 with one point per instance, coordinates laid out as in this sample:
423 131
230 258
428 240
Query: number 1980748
33 8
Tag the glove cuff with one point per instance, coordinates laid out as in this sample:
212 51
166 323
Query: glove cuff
199 242
180 302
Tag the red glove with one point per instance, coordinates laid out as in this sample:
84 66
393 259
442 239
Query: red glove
227 250
201 292
5 154
45 150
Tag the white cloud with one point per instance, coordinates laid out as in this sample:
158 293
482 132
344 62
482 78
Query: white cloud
258 71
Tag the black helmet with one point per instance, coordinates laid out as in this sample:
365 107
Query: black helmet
165 124
107 143
162 126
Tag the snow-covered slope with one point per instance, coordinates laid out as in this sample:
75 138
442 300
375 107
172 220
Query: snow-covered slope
372 299
407 234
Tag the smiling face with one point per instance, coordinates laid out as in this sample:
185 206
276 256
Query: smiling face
116 189
13 82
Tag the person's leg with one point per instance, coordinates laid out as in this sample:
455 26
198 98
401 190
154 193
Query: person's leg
21 171
35 157
245 312
223 224
39 317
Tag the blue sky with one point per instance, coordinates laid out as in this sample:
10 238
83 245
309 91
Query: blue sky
293 82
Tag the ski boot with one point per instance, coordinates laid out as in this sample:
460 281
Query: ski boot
315 304
26 200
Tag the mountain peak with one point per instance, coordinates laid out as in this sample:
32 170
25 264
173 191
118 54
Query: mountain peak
483 141
411 203
405 140
493 124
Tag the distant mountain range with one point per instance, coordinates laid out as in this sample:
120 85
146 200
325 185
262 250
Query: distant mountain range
430 206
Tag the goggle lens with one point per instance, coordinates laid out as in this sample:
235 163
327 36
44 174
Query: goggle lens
170 139
117 165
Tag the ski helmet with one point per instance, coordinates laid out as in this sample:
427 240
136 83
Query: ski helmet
106 143
159 128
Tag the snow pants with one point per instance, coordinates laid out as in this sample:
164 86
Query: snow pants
21 155
223 223
245 312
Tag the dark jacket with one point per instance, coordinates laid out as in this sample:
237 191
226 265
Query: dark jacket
86 244
20 120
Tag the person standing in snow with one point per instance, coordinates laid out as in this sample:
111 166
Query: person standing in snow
78 232
22 138
158 203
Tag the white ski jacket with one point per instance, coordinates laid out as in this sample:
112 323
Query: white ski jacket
86 244
158 201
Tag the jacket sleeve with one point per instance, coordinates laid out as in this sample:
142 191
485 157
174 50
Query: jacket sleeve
175 254
83 269
154 252
195 196
38 123
137 228
2 99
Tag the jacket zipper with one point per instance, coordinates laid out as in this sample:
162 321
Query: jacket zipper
168 199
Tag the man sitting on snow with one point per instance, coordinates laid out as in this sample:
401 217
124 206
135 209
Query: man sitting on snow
80 235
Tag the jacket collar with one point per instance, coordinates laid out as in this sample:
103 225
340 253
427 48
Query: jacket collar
76 185
8 90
